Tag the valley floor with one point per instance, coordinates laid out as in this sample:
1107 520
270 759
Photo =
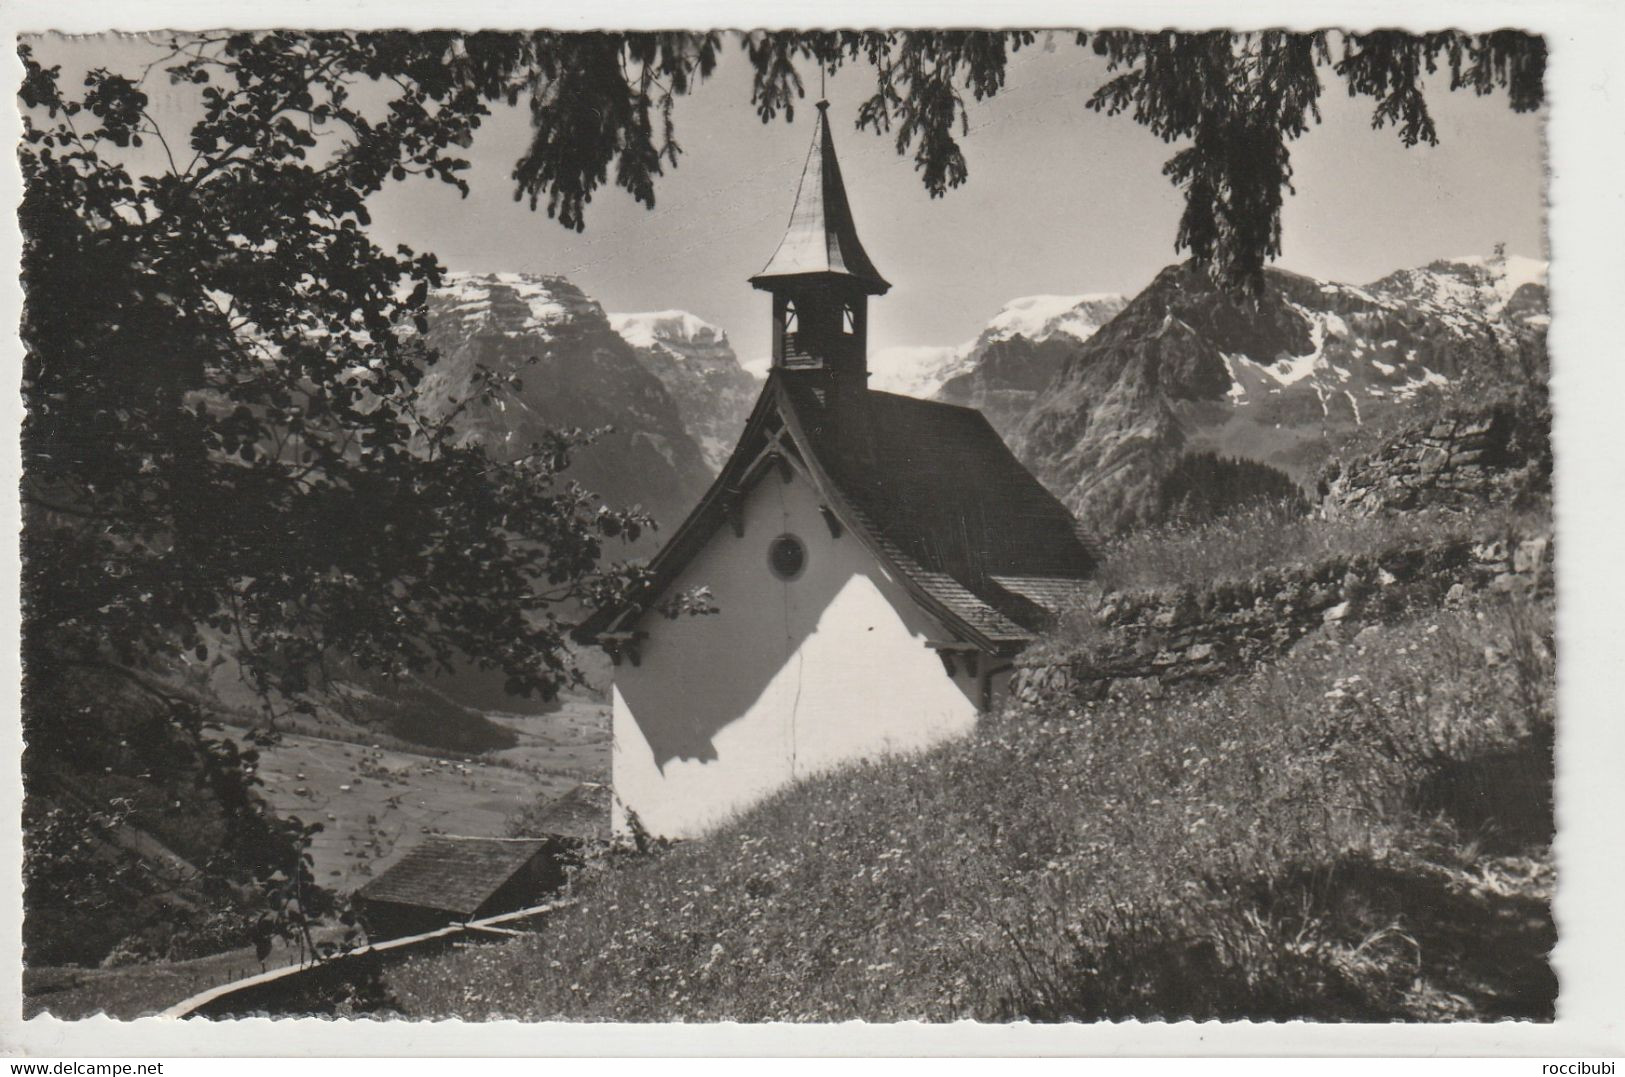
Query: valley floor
375 803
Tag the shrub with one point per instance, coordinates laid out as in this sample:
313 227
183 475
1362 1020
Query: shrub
1204 485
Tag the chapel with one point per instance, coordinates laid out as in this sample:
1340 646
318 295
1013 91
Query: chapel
877 562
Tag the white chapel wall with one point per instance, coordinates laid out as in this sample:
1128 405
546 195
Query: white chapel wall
790 678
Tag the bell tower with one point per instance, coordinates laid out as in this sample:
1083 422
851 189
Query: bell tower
821 278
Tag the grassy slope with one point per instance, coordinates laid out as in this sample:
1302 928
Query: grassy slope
1269 537
1358 832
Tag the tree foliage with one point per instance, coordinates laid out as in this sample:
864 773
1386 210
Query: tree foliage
1205 485
223 449
223 438
1232 104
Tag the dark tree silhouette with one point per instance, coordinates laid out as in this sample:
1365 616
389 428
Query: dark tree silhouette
1205 485
1233 104
223 454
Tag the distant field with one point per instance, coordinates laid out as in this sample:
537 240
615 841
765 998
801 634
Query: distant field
376 803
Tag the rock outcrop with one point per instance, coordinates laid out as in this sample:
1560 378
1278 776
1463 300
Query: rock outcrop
1005 376
573 371
694 361
1500 454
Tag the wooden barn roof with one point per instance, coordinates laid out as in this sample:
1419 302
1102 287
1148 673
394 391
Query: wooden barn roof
930 488
822 239
453 874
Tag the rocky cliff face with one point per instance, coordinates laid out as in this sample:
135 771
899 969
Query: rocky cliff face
699 370
1005 376
574 372
1280 379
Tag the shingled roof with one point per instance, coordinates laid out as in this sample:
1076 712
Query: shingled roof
453 874
942 484
930 488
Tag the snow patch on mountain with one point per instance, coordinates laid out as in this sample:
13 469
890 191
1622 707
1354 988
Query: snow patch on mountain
514 304
917 370
1039 317
1506 274
1467 295
922 370
1291 369
676 329
1465 290
696 364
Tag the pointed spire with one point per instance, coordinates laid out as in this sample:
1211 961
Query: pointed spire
822 240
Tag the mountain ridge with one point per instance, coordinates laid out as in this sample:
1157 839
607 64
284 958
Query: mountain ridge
1185 367
1099 394
574 372
924 370
696 363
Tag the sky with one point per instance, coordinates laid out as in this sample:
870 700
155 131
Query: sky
1059 199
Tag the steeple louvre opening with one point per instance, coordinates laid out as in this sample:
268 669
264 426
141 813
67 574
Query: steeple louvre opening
820 276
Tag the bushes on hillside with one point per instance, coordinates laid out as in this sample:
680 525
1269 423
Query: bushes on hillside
1205 485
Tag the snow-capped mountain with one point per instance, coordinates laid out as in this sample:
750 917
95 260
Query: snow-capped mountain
694 361
917 369
1102 397
1040 317
1381 344
574 371
1187 368
1462 290
1021 350
924 370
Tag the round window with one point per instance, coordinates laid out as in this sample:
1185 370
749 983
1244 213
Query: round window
787 557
